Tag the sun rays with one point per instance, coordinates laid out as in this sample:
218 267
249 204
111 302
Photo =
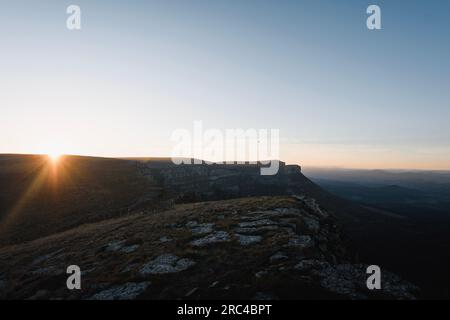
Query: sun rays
54 157
47 176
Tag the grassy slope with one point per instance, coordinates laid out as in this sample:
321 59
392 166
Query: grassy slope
38 198
41 263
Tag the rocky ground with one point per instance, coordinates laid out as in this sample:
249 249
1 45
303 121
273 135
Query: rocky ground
282 247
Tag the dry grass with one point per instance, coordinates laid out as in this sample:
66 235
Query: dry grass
38 199
229 263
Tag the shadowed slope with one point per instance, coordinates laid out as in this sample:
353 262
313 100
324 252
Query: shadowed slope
252 248
39 197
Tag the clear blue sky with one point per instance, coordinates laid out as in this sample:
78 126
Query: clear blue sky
340 94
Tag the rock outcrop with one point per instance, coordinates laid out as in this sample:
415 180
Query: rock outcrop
253 248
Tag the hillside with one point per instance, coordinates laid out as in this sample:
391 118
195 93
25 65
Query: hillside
252 248
39 197
45 205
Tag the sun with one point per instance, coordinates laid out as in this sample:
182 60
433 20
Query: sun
54 156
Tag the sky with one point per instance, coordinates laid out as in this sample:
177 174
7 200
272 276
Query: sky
340 94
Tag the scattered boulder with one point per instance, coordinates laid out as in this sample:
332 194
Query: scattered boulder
279 256
283 210
308 264
115 245
301 242
129 249
166 263
261 274
257 223
203 228
127 291
286 212
245 240
165 239
216 237
119 246
254 230
350 280
192 224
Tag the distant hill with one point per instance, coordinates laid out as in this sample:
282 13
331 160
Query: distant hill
421 200
424 180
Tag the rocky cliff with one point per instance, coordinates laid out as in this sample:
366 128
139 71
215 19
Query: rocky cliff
198 182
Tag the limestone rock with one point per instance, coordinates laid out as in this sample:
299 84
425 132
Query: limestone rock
279 256
203 228
127 291
216 237
257 223
245 240
301 241
166 263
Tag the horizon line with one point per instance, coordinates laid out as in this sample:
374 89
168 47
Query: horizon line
168 157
